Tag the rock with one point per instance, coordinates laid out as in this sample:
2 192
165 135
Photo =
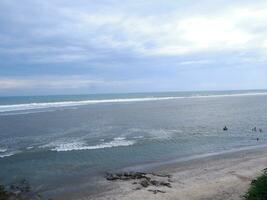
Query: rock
22 186
139 175
125 176
144 183
5 195
112 177
165 184
145 178
161 175
156 191
155 183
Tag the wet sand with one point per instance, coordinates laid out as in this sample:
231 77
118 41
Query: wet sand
216 177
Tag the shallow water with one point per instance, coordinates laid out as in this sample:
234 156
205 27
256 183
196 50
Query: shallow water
53 146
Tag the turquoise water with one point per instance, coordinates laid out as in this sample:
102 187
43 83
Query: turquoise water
54 141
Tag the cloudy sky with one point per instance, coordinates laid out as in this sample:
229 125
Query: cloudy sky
104 46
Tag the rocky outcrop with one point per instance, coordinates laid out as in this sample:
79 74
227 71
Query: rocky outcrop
125 176
156 191
142 179
20 187
19 190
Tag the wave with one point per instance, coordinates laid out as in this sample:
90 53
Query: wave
6 153
2 150
62 104
78 146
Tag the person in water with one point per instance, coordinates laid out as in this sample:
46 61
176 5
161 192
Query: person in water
254 129
225 128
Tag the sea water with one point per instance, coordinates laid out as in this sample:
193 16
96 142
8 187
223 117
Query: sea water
56 141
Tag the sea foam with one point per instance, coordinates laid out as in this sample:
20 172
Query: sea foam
2 155
5 153
78 146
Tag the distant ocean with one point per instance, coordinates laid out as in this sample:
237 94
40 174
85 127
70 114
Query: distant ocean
54 141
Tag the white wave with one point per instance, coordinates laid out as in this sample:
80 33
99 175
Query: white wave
32 106
2 150
7 154
78 146
138 137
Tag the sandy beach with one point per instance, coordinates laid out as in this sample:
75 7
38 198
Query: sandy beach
216 177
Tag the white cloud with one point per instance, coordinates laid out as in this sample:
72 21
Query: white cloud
174 34
153 34
6 84
181 36
193 62
219 33
65 82
51 82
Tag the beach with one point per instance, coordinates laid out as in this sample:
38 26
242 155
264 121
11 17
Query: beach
216 177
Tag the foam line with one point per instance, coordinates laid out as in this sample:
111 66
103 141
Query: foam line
32 106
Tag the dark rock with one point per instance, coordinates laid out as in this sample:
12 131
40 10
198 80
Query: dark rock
145 180
155 183
4 195
112 177
22 186
144 183
156 191
162 175
125 176
165 184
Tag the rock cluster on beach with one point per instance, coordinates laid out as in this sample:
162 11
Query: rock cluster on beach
20 190
144 180
16 191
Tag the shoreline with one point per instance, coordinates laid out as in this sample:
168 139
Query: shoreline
221 176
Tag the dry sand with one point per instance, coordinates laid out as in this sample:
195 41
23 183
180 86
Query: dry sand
218 177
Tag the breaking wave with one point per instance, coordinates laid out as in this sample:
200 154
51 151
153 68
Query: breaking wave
5 153
78 146
33 106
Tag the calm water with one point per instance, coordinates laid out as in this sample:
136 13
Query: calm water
53 141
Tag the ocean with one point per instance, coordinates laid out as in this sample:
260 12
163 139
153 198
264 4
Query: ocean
56 142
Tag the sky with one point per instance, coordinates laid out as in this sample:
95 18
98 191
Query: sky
112 46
